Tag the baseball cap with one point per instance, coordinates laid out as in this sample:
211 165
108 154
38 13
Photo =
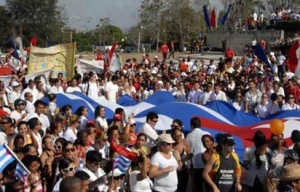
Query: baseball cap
229 140
19 102
15 84
117 117
165 138
91 123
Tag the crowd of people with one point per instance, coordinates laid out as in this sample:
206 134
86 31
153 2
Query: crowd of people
66 151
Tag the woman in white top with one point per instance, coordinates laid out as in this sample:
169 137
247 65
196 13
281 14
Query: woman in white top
238 104
91 87
66 168
82 113
164 165
262 108
70 133
100 118
181 94
257 161
139 180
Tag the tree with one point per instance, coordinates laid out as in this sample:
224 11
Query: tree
36 17
5 23
108 33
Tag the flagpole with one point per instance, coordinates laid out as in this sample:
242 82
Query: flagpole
15 156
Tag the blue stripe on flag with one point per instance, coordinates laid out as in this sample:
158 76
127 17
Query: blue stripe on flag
20 173
5 158
122 163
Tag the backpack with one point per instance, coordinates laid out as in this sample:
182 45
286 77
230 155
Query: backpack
216 165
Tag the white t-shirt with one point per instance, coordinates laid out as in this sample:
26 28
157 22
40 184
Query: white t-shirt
139 186
12 96
38 139
92 89
33 91
16 115
83 121
30 109
111 90
69 135
102 122
73 89
94 176
56 186
167 182
56 90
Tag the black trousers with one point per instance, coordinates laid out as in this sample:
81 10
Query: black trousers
198 181
257 186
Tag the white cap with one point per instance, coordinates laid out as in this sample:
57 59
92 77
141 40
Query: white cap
183 74
153 71
132 121
276 79
124 71
115 173
156 57
15 84
165 138
160 82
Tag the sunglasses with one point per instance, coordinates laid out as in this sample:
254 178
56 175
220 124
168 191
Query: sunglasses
168 144
57 146
70 169
154 121
70 150
4 122
175 127
118 177
133 125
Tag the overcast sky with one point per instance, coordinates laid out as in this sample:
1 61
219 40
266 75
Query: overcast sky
85 14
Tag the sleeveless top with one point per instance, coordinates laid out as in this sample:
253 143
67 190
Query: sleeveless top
225 177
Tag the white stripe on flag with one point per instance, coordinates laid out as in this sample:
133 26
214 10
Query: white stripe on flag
122 163
21 173
5 158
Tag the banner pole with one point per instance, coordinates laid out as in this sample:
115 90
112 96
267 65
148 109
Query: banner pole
18 160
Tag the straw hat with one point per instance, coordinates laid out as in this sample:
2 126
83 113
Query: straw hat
290 172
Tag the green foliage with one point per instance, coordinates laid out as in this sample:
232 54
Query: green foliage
5 24
36 17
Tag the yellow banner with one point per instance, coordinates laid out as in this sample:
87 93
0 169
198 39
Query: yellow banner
59 58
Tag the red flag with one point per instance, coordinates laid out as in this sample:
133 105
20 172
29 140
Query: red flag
111 52
293 59
213 18
123 151
34 41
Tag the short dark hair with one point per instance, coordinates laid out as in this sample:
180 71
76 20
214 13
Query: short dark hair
151 115
68 184
195 122
33 122
51 97
39 102
29 159
64 163
82 175
93 156
119 110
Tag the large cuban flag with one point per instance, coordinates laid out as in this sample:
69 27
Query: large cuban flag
215 116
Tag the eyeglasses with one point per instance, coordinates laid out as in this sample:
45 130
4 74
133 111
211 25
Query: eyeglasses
57 146
70 169
70 150
167 144
22 104
96 164
154 121
118 177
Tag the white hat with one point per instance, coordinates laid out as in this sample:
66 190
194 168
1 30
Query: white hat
153 71
156 57
15 84
132 121
159 75
276 79
183 74
165 138
124 71
160 82
115 173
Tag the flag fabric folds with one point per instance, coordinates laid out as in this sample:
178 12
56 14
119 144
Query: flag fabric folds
15 53
21 173
260 53
122 163
224 18
206 16
294 51
213 18
5 157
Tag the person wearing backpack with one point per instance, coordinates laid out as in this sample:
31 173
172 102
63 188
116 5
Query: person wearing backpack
223 171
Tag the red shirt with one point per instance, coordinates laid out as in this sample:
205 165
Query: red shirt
229 53
164 48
